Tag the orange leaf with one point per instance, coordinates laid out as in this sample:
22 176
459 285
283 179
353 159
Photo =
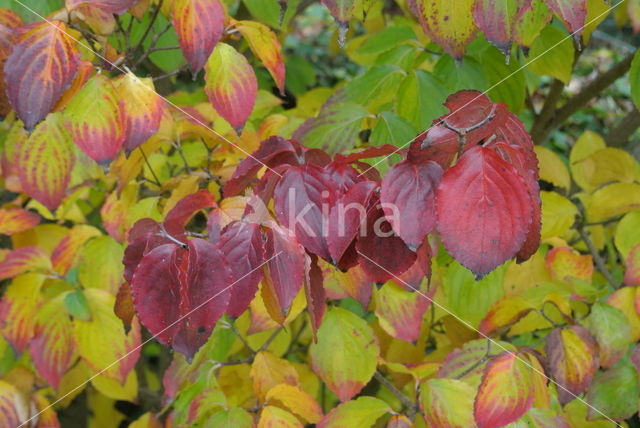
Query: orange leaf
632 274
16 220
564 263
268 371
45 161
9 22
504 313
23 260
231 85
573 359
506 391
265 45
40 68
295 400
199 24
65 254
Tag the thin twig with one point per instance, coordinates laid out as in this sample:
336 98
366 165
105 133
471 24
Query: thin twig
156 12
170 74
241 337
600 264
146 160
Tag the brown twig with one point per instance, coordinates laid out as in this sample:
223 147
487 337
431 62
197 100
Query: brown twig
412 408
619 135
599 262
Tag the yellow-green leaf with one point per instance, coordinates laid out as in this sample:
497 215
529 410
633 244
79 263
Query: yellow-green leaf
604 166
447 403
613 200
552 54
362 412
275 417
265 45
627 233
348 371
100 264
552 169
450 24
558 215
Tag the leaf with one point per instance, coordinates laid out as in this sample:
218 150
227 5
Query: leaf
13 406
496 20
558 215
341 10
65 254
76 304
335 129
142 109
506 391
40 68
268 370
531 19
361 412
483 210
271 417
627 233
408 199
265 45
285 266
127 391
400 312
610 328
45 161
552 169
564 263
573 359
16 220
552 54
348 371
447 403
231 85
25 259
504 313
604 166
9 23
100 264
450 25
419 99
190 284
302 199
18 308
392 129
241 243
102 342
232 418
112 6
467 363
632 262
634 79
624 299
95 120
199 25
295 400
571 12
52 348
613 200
614 393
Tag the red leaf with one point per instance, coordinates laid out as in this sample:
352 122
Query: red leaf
473 114
382 254
369 152
241 243
186 208
314 291
23 260
526 162
483 210
421 269
511 129
285 266
9 23
408 199
343 175
573 13
179 293
572 356
272 151
302 200
347 217
496 19
199 24
41 67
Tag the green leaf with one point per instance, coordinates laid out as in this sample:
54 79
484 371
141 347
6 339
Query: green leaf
466 75
392 129
335 129
612 331
101 264
387 39
507 80
614 393
634 79
470 299
346 353
363 412
232 418
379 85
266 11
627 233
77 305
552 54
420 98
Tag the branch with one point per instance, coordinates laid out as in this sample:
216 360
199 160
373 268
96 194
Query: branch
412 408
602 267
548 109
620 134
587 93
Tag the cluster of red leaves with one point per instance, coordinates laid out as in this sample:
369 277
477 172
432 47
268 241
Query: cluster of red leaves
485 209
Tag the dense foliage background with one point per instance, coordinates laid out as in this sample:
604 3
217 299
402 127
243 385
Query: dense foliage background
159 114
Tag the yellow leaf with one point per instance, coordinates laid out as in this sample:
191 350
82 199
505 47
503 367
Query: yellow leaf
627 233
295 400
604 166
186 185
113 389
613 200
558 215
275 417
102 342
73 383
268 371
519 277
597 11
552 168
363 412
625 299
588 143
